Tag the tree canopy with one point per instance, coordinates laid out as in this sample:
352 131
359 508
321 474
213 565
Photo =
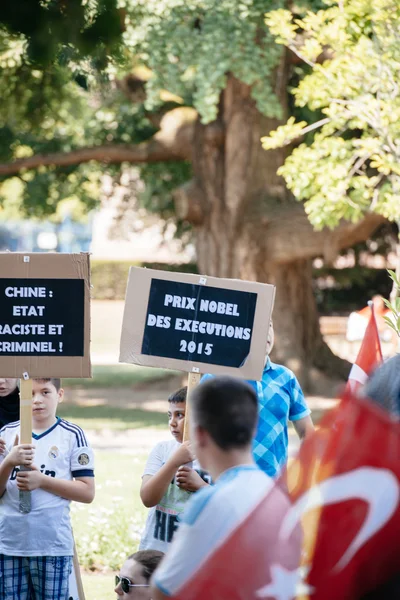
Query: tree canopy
349 161
187 96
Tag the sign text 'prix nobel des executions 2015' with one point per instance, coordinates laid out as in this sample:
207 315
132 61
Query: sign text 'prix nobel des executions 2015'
183 320
186 320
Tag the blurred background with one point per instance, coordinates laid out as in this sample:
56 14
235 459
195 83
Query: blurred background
241 138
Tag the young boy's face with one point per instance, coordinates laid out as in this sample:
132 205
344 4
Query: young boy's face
45 399
176 419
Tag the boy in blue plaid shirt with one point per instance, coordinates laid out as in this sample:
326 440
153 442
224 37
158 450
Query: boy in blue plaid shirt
280 399
36 549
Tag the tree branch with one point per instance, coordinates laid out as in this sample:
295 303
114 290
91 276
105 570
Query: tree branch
108 154
290 222
174 141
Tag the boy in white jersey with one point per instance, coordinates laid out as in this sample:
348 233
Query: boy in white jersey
169 479
228 543
36 549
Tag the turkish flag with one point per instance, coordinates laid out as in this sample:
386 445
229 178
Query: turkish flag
339 536
240 567
345 489
369 355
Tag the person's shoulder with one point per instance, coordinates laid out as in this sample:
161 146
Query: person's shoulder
9 428
73 430
206 377
165 447
277 370
280 368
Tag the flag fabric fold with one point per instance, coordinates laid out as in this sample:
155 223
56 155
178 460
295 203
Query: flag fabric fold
345 490
369 355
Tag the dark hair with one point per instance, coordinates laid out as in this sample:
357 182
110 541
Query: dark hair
149 559
178 396
56 382
227 409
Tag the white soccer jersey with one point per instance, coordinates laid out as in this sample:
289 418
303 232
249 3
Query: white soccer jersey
62 452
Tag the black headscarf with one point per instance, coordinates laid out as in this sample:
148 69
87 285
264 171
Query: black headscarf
9 408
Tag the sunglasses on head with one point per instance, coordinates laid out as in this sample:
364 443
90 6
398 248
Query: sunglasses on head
127 583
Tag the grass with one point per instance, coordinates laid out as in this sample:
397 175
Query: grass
108 530
98 587
108 376
106 325
110 417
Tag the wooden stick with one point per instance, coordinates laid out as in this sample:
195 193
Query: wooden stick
25 435
78 578
25 411
193 382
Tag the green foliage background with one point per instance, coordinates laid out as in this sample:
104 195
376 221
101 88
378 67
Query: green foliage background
352 164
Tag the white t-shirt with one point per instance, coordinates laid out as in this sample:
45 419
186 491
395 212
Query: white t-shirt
162 520
211 517
62 452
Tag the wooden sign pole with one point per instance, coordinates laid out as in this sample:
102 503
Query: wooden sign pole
25 435
76 573
193 382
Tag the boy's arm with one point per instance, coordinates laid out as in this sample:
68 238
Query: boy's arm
81 462
299 412
188 479
19 455
304 427
154 486
81 489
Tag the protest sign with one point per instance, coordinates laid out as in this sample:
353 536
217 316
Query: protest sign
44 315
196 324
44 332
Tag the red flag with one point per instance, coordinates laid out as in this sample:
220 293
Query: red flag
369 356
345 488
240 567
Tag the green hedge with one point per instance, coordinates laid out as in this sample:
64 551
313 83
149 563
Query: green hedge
349 289
109 277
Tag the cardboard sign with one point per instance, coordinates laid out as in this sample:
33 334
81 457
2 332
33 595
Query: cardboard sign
44 315
194 323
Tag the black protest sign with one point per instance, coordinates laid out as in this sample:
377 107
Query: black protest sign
199 323
196 323
42 317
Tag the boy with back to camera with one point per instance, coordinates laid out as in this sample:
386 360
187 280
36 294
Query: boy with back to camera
169 479
228 545
36 549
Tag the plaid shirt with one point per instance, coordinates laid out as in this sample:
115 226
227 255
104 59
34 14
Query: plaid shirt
280 400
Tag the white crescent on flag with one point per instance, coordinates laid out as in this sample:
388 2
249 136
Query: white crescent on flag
378 487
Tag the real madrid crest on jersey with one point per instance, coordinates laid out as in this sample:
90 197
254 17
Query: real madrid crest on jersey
54 452
83 459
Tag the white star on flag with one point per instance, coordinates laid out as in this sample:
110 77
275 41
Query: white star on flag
285 585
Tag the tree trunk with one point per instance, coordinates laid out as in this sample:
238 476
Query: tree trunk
240 195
